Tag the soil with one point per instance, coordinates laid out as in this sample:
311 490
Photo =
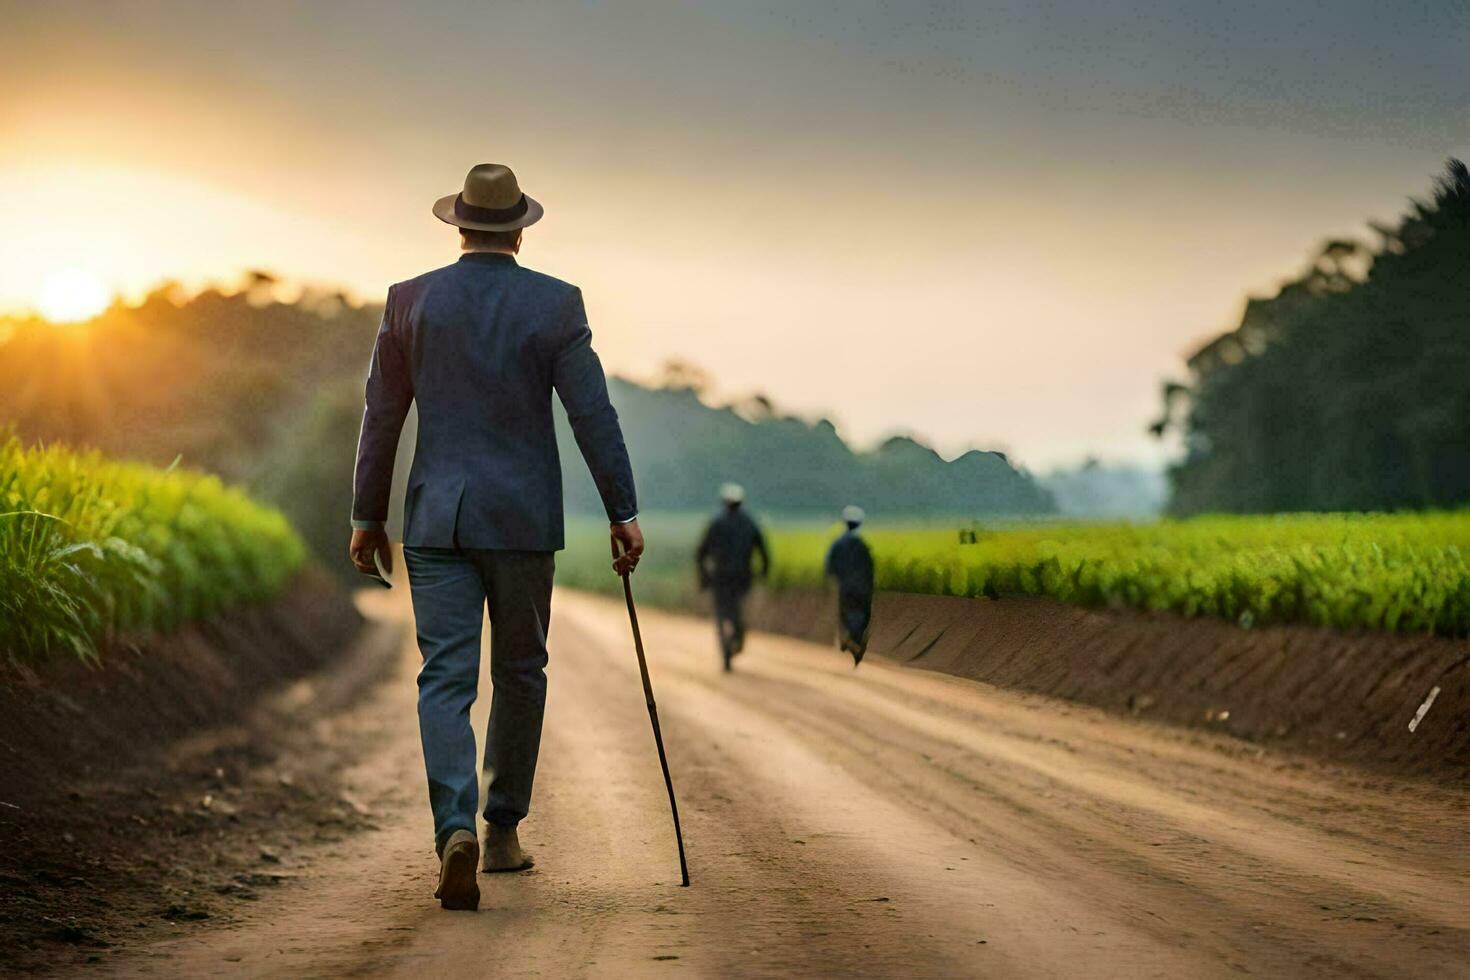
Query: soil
176 780
881 821
873 822
1344 697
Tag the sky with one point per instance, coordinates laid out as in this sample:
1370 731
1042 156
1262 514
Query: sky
989 224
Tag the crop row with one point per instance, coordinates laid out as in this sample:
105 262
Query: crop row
91 546
1394 572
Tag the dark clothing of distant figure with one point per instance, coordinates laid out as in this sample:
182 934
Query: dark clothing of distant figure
851 563
724 559
480 346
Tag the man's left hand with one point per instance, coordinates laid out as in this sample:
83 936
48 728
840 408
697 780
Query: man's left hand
366 544
627 540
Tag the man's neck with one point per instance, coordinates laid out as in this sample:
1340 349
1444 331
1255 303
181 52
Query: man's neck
492 251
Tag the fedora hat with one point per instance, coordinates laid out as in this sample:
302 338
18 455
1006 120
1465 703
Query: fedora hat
491 201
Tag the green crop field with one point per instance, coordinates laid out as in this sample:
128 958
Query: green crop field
666 575
89 546
1396 572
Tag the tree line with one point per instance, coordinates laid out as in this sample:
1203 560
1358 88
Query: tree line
683 449
1347 390
263 385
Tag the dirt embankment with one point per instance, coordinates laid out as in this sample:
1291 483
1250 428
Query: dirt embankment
70 722
1342 696
129 794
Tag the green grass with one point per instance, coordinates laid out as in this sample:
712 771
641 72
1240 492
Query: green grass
1395 572
665 577
90 546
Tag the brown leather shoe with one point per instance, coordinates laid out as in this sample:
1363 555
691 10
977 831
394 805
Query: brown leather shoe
503 850
458 889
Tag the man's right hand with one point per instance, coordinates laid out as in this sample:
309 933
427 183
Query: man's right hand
627 540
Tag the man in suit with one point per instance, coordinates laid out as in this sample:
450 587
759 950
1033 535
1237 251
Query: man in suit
724 563
480 345
851 563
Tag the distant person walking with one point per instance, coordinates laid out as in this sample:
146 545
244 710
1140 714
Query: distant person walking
850 562
480 345
724 561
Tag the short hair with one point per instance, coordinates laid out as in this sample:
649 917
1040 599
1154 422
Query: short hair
490 239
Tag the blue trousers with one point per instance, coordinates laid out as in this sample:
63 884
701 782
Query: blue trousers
729 602
854 612
452 587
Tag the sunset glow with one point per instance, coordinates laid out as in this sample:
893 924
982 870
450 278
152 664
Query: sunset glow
1050 223
72 295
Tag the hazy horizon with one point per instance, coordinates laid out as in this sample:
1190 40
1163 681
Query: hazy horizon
986 224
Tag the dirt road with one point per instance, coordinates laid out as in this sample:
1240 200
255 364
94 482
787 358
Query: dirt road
881 822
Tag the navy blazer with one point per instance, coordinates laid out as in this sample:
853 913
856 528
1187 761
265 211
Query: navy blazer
480 345
725 551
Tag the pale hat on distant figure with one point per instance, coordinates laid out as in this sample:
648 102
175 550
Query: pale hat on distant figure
491 201
852 514
732 493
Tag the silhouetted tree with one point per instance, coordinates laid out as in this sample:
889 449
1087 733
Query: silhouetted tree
680 375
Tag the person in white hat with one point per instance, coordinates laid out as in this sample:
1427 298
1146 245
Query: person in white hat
850 562
724 561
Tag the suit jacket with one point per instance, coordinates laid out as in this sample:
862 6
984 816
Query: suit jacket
480 345
725 551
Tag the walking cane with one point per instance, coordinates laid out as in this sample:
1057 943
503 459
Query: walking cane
658 738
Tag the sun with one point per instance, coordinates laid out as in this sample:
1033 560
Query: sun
71 295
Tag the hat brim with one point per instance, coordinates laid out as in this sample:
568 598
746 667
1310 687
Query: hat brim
444 211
